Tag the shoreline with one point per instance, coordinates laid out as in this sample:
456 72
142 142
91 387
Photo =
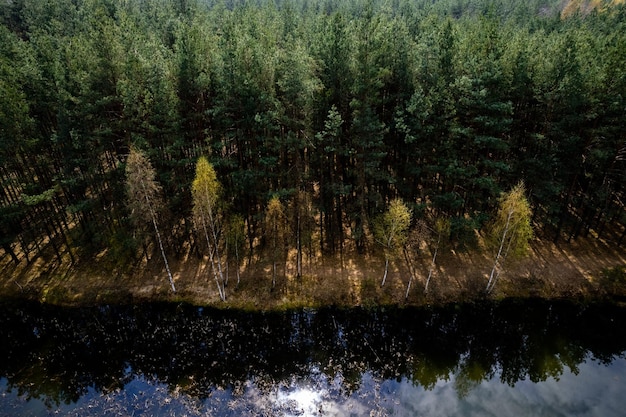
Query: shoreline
586 270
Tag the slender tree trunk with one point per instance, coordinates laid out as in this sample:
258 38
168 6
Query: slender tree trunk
8 249
274 249
51 239
24 247
214 231
495 279
432 265
220 290
158 234
144 247
237 260
388 247
273 263
61 226
299 249
564 210
491 282
386 269
250 242
226 266
411 273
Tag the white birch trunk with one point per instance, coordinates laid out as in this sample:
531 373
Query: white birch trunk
508 247
386 269
214 231
220 290
431 269
389 240
491 282
237 260
167 266
432 265
158 234
226 266
411 273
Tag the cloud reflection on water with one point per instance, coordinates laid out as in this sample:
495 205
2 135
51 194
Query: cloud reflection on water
169 360
597 390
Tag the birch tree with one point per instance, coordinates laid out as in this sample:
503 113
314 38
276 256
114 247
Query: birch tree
442 230
391 230
511 230
418 233
144 197
205 193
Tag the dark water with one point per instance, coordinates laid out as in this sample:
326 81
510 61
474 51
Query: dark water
514 358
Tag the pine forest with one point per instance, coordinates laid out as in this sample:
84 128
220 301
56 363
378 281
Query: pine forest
233 130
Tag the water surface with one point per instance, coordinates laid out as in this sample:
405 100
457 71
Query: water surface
504 359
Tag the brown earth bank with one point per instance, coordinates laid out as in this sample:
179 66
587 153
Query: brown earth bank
585 269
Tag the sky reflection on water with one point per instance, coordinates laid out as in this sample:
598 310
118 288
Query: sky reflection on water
596 390
511 359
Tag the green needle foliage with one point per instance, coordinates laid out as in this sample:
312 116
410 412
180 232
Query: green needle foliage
443 105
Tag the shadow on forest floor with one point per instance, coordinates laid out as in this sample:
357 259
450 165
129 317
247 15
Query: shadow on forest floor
578 269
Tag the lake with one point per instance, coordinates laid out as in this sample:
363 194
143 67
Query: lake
510 358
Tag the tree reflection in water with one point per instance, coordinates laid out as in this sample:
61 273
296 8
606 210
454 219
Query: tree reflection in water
176 357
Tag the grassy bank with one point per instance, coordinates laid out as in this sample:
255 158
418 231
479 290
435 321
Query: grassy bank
584 269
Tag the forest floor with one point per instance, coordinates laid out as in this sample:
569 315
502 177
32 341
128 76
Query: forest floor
582 269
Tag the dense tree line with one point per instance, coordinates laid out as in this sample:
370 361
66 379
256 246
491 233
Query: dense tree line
330 109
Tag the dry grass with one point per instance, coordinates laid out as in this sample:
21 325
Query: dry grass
550 271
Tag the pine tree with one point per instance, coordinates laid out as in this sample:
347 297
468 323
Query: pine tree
275 233
301 223
328 160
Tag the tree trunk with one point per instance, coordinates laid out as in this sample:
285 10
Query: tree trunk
158 234
564 211
491 282
237 260
432 267
299 249
227 267
273 274
411 273
8 249
386 269
214 231
220 290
